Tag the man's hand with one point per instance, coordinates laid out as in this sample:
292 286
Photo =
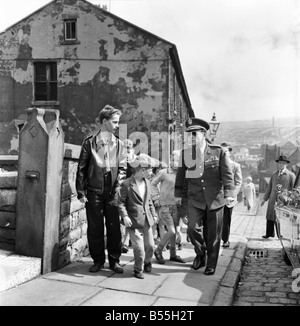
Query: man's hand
83 200
178 200
229 200
262 202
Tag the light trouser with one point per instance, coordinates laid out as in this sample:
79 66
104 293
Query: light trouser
143 246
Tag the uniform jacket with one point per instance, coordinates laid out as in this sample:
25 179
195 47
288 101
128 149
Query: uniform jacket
287 181
132 205
237 179
204 181
91 165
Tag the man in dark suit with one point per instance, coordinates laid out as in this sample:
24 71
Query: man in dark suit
282 176
204 184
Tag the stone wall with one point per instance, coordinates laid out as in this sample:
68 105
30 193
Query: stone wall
73 226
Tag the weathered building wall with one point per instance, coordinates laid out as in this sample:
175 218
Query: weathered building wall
112 62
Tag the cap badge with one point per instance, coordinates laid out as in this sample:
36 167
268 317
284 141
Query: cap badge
189 122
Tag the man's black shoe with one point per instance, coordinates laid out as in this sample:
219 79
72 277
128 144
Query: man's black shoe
266 236
117 268
209 271
96 268
226 244
124 249
199 262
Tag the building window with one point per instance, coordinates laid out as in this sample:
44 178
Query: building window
70 30
45 81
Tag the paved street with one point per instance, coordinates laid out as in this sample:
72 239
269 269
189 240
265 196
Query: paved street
264 280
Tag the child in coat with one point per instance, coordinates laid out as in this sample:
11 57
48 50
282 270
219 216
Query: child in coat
138 213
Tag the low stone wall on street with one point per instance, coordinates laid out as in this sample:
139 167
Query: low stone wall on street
73 226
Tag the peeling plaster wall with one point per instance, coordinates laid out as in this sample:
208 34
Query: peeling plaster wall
112 63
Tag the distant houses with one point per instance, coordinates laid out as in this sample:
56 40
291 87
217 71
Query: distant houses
260 161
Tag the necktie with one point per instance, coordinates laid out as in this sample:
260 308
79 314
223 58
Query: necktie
106 156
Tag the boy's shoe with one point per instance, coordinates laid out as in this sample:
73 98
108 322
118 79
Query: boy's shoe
96 268
178 259
159 257
147 267
139 275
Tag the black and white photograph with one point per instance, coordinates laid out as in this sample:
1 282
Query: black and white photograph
150 155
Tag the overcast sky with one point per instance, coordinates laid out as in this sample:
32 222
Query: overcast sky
238 57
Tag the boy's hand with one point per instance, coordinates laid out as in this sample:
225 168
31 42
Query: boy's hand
127 221
185 220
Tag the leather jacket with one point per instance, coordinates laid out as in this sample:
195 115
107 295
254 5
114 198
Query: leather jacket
91 168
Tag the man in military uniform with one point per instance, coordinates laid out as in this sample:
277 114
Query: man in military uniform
204 184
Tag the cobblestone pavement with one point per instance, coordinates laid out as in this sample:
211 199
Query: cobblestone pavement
266 280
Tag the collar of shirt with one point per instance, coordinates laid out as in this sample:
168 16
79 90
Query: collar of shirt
281 172
101 142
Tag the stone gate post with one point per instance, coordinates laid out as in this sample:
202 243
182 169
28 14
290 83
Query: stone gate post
41 151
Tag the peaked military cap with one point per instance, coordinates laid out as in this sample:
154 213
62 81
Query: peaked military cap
283 158
194 124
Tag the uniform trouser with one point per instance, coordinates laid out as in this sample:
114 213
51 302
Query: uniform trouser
270 229
210 238
100 209
226 223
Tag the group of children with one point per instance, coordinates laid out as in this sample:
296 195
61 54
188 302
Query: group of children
147 201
